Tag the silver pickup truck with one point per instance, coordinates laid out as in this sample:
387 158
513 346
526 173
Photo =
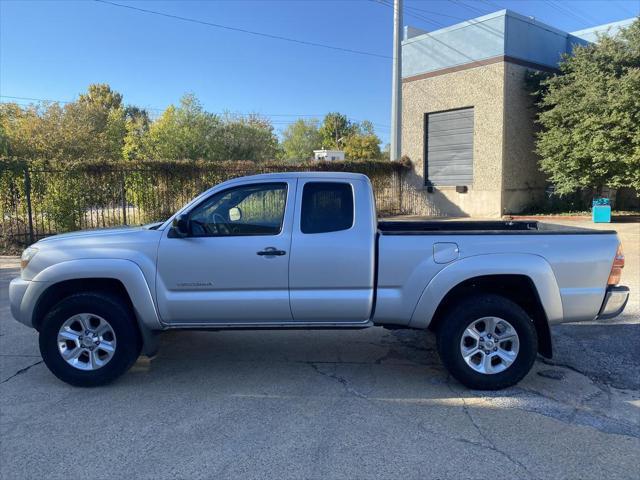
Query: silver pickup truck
305 250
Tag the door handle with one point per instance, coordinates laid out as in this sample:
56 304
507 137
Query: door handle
271 251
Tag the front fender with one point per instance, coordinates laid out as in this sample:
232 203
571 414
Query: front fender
126 271
533 266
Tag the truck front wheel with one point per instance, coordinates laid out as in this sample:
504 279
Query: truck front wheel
487 342
89 339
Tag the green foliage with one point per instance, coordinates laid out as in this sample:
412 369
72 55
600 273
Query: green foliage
590 116
249 138
99 126
363 143
136 131
92 127
186 131
358 140
362 147
300 139
68 196
335 129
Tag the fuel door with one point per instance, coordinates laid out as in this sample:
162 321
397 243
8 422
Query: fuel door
444 252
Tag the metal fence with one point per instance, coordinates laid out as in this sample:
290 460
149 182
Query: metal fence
39 199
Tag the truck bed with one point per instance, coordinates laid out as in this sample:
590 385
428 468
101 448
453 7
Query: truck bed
417 226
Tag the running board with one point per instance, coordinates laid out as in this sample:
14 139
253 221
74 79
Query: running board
272 326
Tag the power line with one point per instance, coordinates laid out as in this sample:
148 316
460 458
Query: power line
492 5
567 11
243 30
387 3
36 99
468 7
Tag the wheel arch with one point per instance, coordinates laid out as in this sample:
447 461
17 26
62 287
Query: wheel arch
525 279
517 288
57 291
119 277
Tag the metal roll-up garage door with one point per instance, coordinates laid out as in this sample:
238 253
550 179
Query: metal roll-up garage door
449 147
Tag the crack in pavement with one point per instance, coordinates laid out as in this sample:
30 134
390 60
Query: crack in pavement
340 379
490 443
579 414
570 414
21 371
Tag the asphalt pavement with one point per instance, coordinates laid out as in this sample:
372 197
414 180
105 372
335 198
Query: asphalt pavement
326 404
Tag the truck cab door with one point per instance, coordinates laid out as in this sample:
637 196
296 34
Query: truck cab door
332 264
232 267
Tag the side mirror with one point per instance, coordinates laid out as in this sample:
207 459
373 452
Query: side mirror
181 226
235 214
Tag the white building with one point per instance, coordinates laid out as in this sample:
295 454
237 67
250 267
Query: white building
328 155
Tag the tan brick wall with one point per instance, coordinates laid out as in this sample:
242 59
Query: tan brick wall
522 181
482 88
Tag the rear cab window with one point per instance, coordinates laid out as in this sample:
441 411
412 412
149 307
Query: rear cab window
326 207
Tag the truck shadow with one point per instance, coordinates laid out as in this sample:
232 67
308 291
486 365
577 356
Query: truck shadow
605 353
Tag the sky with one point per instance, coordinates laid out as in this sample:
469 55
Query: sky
55 49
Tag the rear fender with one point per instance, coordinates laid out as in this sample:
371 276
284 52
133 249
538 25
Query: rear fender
532 266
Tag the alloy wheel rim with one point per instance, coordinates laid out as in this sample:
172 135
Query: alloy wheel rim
489 345
86 341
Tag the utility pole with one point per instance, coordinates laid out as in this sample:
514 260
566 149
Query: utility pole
396 83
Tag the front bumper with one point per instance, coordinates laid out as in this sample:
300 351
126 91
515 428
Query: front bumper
615 299
17 291
23 296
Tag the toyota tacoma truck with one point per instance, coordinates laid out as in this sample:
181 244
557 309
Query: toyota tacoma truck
306 251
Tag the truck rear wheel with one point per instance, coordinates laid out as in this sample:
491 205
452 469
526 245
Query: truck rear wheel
487 342
89 339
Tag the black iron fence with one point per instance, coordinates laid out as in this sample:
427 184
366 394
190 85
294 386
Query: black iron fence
39 199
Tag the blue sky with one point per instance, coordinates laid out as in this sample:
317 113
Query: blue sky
54 49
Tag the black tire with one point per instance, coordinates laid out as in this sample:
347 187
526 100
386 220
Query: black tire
121 319
454 324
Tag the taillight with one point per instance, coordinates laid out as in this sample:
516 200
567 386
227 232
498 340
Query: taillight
616 268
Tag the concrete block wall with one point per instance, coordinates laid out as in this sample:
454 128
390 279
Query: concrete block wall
482 88
523 183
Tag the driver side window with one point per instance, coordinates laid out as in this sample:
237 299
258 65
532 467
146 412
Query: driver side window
256 209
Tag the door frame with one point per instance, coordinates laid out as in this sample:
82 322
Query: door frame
287 228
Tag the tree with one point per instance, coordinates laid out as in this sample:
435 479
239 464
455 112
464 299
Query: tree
137 129
363 143
335 129
300 139
246 138
358 140
4 140
102 111
190 132
590 116
101 97
93 127
362 147
183 132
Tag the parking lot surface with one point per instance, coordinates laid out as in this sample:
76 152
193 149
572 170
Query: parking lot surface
327 404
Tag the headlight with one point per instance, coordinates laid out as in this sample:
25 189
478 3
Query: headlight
27 255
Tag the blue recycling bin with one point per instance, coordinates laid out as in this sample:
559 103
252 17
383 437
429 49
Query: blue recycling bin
601 210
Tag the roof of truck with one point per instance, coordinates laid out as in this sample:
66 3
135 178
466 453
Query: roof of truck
304 174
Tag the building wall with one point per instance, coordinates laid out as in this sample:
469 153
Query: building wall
499 34
522 181
482 88
458 44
